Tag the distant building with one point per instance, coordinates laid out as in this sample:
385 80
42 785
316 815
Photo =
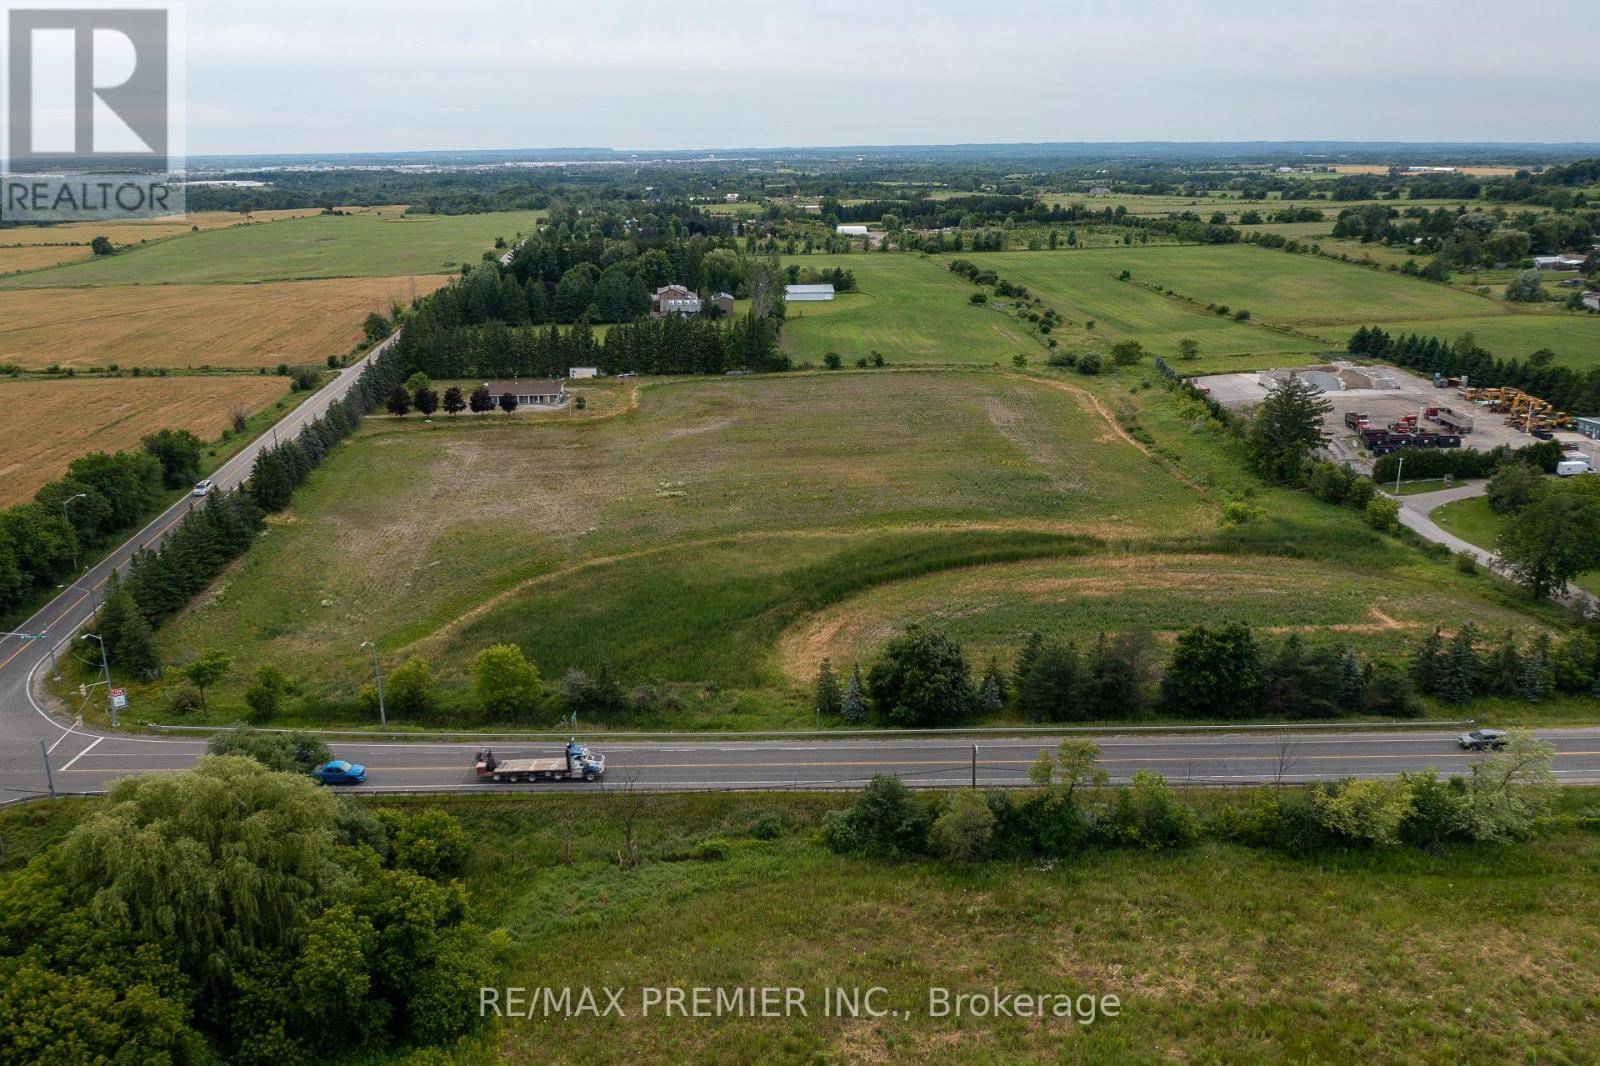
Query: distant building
807 293
1100 190
542 392
674 300
1557 262
730 198
851 231
580 372
1591 300
723 301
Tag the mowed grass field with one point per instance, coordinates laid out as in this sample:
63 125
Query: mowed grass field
990 609
1217 954
910 309
366 244
50 423
681 539
178 326
1083 285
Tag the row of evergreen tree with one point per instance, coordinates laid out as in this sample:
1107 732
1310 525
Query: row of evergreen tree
160 580
1570 390
672 345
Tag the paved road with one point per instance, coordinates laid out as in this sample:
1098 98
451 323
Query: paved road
1415 514
87 760
22 723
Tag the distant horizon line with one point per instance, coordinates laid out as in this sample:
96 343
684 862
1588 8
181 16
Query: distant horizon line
580 150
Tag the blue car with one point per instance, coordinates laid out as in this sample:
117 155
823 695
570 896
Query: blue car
339 772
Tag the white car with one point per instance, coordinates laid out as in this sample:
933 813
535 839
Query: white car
202 488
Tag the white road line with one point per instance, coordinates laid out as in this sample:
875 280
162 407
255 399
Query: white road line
82 753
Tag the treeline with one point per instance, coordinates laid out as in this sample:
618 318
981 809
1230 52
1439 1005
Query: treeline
923 679
1465 239
1465 462
1073 809
162 579
672 345
1570 390
102 497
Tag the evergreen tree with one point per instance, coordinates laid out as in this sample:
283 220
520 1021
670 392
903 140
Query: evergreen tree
1047 691
1352 693
129 642
1459 668
826 697
1287 428
1425 663
1534 683
1502 673
1025 658
853 707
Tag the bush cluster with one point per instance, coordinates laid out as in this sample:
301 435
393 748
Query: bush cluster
1072 809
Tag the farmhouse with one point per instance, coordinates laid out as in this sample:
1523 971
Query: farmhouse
723 302
674 300
807 293
540 392
578 372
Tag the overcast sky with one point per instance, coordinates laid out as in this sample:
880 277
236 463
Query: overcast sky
391 75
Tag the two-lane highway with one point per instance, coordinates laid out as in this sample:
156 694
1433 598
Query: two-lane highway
22 723
89 760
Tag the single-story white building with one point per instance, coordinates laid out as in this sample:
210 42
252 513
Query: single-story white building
544 392
1591 300
807 293
579 372
851 231
1557 262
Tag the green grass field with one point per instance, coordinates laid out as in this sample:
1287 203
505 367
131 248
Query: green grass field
362 245
1575 338
910 309
678 541
1218 953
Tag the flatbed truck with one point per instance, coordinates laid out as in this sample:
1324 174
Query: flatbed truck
575 762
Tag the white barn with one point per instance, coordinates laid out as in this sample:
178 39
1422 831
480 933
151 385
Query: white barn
807 293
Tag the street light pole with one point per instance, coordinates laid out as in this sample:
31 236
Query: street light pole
65 518
105 665
1399 466
377 675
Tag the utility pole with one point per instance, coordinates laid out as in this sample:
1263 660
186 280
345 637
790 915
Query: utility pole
68 521
974 766
49 779
1399 466
383 718
105 665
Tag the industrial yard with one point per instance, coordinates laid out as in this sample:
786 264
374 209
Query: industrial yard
1377 409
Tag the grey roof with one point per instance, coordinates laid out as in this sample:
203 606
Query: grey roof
532 387
808 288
